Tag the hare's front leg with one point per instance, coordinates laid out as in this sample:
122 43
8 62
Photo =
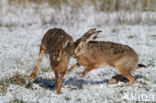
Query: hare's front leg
37 68
72 68
89 68
59 82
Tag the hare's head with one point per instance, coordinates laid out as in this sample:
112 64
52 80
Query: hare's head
80 44
62 47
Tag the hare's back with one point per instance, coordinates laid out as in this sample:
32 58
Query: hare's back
110 50
56 41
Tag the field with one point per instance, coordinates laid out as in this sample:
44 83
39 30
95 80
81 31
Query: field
22 28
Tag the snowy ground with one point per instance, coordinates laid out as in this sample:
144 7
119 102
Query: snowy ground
21 31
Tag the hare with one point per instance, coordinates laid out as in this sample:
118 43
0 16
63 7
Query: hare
59 46
95 53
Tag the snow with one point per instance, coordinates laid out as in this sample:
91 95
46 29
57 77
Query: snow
22 29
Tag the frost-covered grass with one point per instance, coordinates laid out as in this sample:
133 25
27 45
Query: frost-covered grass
16 79
22 29
17 101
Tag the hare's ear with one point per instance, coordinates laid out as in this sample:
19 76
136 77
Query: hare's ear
88 36
65 44
61 47
91 36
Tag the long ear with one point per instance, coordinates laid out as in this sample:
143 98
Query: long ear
65 44
88 36
61 49
91 36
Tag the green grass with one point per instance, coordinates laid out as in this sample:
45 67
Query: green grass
79 99
67 98
17 101
115 30
132 36
46 70
151 62
153 36
71 88
16 79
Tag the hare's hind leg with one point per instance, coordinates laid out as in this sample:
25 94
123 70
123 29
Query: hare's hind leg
36 70
127 74
89 68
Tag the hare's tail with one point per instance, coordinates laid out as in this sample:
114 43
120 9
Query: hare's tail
141 66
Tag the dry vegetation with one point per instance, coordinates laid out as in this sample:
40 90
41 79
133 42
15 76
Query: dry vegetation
70 12
102 5
16 79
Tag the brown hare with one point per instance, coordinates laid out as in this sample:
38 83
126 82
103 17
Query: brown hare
95 53
59 46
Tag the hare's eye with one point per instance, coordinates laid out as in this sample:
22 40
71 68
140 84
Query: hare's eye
79 49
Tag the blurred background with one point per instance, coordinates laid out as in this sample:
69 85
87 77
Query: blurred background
23 13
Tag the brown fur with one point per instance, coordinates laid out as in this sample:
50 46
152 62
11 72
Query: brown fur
58 44
95 53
